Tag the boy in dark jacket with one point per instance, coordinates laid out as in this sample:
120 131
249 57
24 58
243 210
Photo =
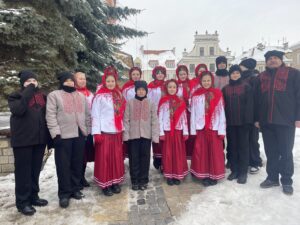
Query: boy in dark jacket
238 98
29 136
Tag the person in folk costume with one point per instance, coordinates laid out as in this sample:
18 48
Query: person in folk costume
141 126
68 119
173 134
29 137
128 91
249 75
195 82
277 113
89 153
156 91
107 126
208 123
184 88
239 112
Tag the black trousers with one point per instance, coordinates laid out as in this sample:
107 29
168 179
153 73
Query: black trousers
238 146
139 160
69 162
28 164
279 143
254 153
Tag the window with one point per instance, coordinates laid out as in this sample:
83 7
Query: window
201 51
192 68
212 67
170 63
153 63
211 51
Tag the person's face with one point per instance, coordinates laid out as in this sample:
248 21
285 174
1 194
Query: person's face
172 88
222 66
110 82
206 81
160 75
243 68
274 62
201 69
69 83
30 81
80 80
141 92
235 75
182 75
135 75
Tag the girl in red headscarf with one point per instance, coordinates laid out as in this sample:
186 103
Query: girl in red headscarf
128 91
195 82
208 123
107 126
155 92
173 133
184 89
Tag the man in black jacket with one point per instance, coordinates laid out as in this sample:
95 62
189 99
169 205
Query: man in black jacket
248 75
277 113
29 136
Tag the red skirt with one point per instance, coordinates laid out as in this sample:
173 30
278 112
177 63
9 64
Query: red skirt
174 161
208 156
109 164
157 149
189 144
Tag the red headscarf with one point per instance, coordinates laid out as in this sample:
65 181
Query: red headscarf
195 81
130 83
186 85
84 91
118 100
212 97
176 106
157 83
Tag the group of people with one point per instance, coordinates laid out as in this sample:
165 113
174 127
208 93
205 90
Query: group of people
180 118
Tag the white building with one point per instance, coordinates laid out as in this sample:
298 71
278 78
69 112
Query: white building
148 59
296 55
258 53
206 49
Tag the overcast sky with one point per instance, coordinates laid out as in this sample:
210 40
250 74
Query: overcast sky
241 24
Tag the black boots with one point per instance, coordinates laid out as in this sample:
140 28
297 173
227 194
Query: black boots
64 202
242 179
77 195
39 202
269 183
232 176
114 189
27 210
287 189
209 182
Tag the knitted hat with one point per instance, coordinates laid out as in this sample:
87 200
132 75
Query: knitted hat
249 63
63 76
235 68
140 84
221 59
24 75
276 53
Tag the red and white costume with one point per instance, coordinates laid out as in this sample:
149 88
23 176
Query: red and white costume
155 92
107 126
208 123
174 130
195 82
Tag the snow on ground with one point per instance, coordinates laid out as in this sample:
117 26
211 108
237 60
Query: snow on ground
230 203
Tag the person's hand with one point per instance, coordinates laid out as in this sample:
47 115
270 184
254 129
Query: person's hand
98 138
221 137
57 141
162 138
185 137
297 124
256 124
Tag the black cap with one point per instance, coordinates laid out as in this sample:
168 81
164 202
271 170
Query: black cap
140 84
276 53
25 75
234 68
63 76
221 59
249 63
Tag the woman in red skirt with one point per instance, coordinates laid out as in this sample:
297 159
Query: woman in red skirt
195 82
208 123
173 134
107 126
155 92
128 91
184 88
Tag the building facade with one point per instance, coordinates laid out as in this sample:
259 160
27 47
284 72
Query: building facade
296 55
206 49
